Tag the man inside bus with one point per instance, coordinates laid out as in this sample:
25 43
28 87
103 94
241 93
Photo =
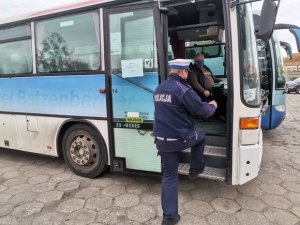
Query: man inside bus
201 78
175 104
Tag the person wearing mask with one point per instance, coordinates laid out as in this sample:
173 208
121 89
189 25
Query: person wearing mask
201 78
176 103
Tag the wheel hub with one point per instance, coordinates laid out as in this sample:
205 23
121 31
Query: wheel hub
82 150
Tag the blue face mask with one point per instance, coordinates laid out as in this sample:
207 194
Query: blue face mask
200 64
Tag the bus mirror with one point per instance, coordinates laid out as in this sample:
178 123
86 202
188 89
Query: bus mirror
267 20
288 48
294 29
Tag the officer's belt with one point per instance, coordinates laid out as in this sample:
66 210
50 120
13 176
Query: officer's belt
166 139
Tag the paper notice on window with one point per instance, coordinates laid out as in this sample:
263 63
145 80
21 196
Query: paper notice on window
250 94
132 68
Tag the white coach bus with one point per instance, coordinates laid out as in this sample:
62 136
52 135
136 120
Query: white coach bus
78 81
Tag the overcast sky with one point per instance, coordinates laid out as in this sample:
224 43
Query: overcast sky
288 12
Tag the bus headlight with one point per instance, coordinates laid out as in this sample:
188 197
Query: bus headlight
280 108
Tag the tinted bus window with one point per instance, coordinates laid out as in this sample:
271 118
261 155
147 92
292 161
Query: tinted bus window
69 43
14 32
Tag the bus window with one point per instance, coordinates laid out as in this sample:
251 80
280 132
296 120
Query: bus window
69 43
280 74
15 56
129 43
249 65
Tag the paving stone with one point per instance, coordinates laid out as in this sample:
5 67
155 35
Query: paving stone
225 205
141 213
86 193
186 185
204 194
124 180
19 189
114 190
198 208
68 186
60 177
249 202
8 220
8 169
51 218
5 209
10 175
250 189
220 218
70 205
155 221
50 196
28 168
276 201
2 187
225 191
27 209
191 220
150 199
80 217
102 182
269 179
183 197
247 217
4 198
23 198
126 200
15 181
44 187
281 217
98 203
137 188
296 210
290 186
293 197
34 172
113 215
273 189
38 179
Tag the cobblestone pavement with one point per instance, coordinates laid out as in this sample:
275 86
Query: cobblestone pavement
41 190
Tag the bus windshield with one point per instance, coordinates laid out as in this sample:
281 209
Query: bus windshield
249 63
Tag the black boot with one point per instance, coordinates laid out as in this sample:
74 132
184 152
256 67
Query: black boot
170 220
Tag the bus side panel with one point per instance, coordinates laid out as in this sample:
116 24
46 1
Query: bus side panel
8 131
56 95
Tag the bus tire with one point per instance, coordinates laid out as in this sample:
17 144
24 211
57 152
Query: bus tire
298 90
84 151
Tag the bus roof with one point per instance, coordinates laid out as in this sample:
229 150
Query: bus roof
58 9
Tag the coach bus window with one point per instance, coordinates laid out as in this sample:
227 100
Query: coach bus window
249 66
132 40
280 74
69 43
15 51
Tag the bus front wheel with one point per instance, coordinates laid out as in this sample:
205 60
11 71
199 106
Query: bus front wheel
84 151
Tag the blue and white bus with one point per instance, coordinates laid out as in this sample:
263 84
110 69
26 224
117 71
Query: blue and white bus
78 82
274 77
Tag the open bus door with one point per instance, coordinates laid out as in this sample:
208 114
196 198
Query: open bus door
134 45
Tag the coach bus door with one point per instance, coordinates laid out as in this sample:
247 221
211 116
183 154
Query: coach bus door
132 76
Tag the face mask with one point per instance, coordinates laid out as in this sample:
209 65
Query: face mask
200 64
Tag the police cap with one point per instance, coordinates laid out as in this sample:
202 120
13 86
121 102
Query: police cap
182 64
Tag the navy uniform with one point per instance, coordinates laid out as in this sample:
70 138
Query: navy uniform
175 105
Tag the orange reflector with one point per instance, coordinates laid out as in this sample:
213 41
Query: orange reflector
249 123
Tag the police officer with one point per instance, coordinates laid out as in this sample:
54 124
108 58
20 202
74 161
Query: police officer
175 103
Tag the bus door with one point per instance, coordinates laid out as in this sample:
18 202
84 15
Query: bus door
132 72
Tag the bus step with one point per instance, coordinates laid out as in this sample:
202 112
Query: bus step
213 156
220 141
208 173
